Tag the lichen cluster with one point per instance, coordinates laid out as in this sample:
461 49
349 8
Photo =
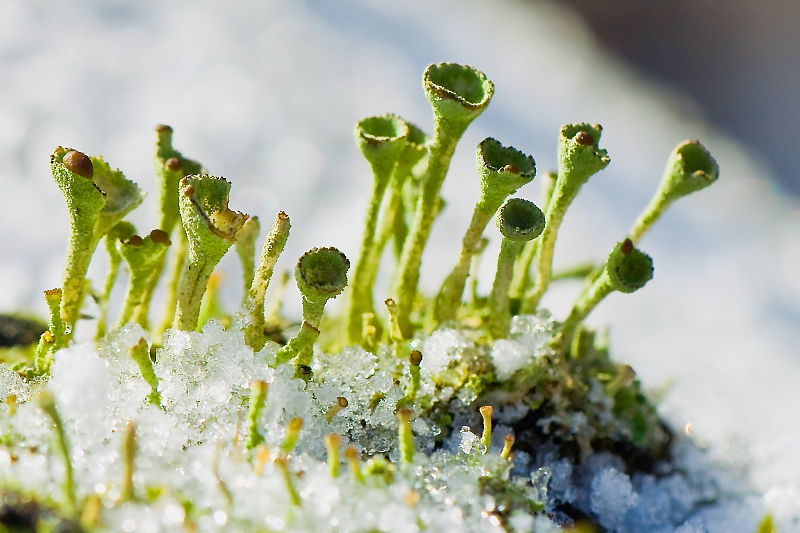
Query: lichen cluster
502 353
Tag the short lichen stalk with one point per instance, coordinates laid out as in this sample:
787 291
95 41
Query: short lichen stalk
181 250
333 443
97 198
211 228
627 269
128 492
321 274
121 232
522 270
381 140
302 342
414 379
458 94
54 337
405 436
502 171
144 257
519 221
246 251
486 437
258 397
48 405
579 157
140 353
272 249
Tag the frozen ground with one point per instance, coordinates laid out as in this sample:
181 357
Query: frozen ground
266 95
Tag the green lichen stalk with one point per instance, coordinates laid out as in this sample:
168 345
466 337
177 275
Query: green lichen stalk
140 353
382 141
170 167
579 157
321 274
502 171
47 404
97 198
211 228
457 94
690 168
273 247
121 232
393 225
522 270
627 269
258 396
519 221
54 337
246 251
144 257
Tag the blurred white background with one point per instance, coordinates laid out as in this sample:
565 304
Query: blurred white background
266 94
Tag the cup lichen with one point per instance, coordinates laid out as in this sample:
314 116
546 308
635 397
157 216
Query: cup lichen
362 385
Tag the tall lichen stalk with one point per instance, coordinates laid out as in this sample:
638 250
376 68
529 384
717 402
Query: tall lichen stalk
457 94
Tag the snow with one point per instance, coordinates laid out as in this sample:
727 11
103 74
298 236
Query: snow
192 450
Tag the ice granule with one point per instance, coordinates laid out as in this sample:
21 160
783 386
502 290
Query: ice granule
11 383
611 497
533 331
439 349
469 440
508 357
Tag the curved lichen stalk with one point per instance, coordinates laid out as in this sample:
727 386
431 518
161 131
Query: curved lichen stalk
321 274
690 168
211 228
626 270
